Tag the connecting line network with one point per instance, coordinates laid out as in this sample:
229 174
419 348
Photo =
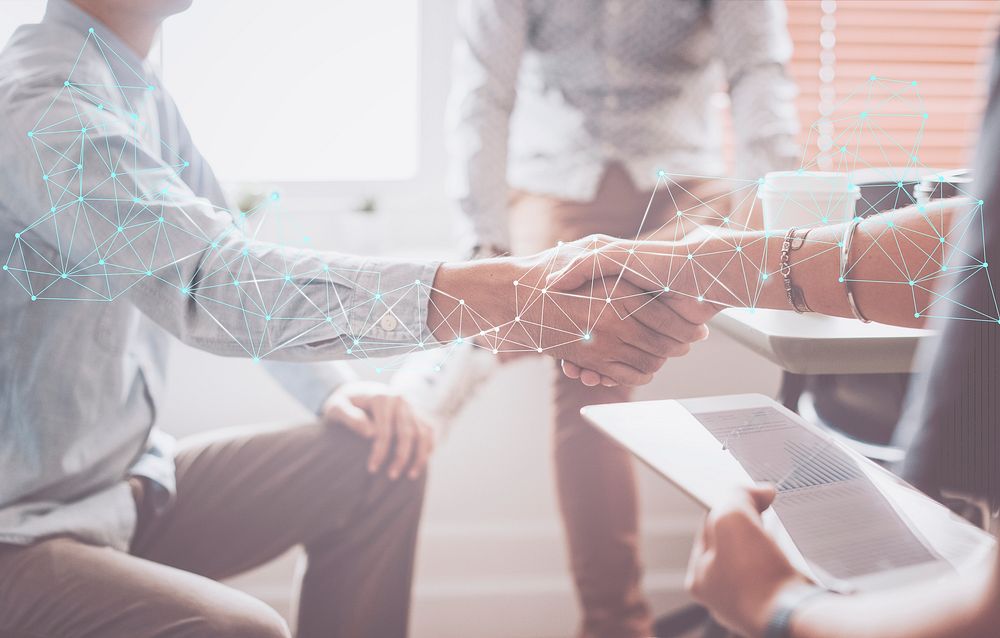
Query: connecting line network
123 226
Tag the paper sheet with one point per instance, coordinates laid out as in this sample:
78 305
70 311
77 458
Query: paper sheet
833 512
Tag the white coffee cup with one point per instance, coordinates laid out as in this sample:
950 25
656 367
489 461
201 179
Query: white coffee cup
806 199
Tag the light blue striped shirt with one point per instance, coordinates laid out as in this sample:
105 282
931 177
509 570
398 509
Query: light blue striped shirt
90 139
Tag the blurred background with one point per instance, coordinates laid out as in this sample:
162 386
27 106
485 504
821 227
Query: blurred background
339 106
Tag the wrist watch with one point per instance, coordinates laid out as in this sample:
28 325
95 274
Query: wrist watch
779 625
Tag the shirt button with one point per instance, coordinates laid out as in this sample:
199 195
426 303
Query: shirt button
388 322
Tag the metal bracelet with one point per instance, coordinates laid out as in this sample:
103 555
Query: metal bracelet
845 267
796 299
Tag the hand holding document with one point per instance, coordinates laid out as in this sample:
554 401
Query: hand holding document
843 521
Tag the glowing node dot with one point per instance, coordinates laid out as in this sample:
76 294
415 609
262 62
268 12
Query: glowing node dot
5 266
739 249
516 282
186 164
941 239
680 213
539 351
586 336
17 235
100 262
517 318
840 279
415 281
666 289
608 300
378 296
31 133
90 30
80 198
495 351
121 230
378 370
725 220
980 202
64 275
52 210
690 256
184 291
872 78
944 268
925 115
149 273
760 180
913 283
985 264
825 220
161 220
34 298
660 173
79 167
461 302
45 178
917 315
459 340
700 298
350 351
764 275
899 184
66 83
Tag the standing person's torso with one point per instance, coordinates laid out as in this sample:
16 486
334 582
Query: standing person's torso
627 81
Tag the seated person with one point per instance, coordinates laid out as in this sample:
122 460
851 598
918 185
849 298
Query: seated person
106 529
736 568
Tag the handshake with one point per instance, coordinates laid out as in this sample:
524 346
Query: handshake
613 310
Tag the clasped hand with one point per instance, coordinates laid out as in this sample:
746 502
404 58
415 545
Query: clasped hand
653 287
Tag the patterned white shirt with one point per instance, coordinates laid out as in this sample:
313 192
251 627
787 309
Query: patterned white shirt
547 93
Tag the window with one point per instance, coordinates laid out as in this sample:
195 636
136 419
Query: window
299 90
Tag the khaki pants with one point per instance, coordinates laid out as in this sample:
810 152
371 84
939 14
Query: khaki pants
244 497
594 477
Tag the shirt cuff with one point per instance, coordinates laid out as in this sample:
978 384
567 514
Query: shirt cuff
389 316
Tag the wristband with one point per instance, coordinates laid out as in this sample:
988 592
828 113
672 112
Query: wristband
779 625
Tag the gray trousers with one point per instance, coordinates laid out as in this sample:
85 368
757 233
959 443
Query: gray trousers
245 496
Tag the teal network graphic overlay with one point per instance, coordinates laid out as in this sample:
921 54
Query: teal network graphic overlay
123 226
872 137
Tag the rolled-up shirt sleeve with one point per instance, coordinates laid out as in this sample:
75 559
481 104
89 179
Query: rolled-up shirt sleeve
755 48
111 219
486 59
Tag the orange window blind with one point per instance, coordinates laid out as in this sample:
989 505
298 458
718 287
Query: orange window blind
925 59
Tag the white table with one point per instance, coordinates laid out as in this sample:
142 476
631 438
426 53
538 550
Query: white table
816 344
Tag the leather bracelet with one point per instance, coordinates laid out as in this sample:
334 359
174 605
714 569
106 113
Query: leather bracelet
845 263
779 625
796 299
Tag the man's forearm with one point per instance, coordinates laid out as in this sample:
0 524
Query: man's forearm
469 297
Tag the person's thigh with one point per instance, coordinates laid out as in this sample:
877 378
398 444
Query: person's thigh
67 589
246 495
